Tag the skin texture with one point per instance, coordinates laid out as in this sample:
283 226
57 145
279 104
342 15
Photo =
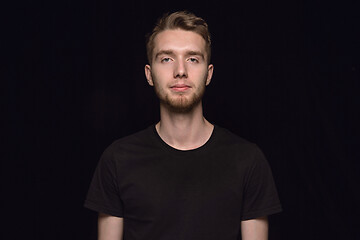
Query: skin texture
179 73
110 227
255 229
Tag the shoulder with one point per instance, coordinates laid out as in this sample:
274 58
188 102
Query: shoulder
224 137
237 147
131 144
136 139
245 155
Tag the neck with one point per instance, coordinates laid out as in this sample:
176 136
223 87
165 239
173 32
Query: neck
184 131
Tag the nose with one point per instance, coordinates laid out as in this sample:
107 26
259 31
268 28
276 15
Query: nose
180 70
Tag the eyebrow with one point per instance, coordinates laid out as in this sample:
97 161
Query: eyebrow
171 52
164 52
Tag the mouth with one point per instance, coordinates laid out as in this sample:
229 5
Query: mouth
180 87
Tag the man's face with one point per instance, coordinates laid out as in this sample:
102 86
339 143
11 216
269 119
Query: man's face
179 71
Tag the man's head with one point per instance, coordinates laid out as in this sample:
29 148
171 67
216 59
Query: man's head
179 57
179 20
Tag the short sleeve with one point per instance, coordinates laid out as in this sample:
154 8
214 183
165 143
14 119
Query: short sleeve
103 195
260 194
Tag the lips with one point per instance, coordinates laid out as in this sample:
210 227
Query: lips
180 87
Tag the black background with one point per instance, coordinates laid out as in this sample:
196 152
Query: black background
286 77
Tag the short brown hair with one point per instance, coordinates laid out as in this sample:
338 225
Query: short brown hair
179 20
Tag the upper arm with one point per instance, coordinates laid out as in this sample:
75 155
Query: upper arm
255 229
110 227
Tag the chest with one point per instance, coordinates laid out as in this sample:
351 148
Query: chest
161 185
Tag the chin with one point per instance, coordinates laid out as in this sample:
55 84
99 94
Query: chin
182 104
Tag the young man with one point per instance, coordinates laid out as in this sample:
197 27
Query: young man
183 178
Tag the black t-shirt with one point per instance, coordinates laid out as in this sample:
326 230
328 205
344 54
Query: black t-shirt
167 194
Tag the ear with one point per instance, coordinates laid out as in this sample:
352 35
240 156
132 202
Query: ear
148 75
210 73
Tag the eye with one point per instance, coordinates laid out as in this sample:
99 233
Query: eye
193 60
165 60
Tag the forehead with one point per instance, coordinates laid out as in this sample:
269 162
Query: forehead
178 40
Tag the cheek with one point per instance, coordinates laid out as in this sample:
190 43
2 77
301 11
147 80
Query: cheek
159 79
162 71
199 72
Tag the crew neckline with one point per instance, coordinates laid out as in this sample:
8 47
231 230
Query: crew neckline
179 151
